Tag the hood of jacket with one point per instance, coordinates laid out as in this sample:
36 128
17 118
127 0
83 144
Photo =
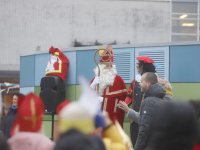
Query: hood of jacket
155 90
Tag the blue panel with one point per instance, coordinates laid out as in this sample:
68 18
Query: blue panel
27 71
71 76
40 66
27 90
184 61
86 64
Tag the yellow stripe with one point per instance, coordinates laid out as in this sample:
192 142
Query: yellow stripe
56 53
85 125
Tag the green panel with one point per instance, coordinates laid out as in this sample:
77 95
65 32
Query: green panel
70 92
49 117
127 128
125 118
127 86
78 91
47 128
185 91
37 90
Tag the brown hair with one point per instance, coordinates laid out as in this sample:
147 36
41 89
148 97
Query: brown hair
150 77
18 94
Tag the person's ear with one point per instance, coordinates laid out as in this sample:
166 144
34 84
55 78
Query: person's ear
148 84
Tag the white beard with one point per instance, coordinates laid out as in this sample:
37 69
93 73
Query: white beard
107 77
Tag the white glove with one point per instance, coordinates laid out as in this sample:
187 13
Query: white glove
100 99
96 81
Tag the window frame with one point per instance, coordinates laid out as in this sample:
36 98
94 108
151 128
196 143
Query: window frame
176 18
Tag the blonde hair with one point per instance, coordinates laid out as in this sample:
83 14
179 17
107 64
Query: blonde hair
165 83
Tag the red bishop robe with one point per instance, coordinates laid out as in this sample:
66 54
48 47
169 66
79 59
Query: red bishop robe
60 67
111 97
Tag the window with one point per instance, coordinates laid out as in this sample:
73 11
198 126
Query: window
185 20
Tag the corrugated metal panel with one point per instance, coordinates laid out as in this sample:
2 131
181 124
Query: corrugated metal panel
123 59
160 55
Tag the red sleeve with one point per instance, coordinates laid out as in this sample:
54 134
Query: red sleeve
128 100
129 96
62 56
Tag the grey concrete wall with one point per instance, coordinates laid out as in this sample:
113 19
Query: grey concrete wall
28 26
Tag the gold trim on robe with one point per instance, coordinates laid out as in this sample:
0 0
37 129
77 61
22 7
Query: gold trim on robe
115 108
105 103
115 92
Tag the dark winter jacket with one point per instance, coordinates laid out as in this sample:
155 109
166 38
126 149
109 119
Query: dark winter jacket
73 139
198 140
152 99
174 127
2 122
8 122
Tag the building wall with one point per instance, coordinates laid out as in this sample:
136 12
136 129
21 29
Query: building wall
183 72
29 26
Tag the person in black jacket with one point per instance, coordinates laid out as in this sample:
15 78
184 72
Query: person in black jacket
196 106
69 140
174 127
3 144
3 116
11 116
153 96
